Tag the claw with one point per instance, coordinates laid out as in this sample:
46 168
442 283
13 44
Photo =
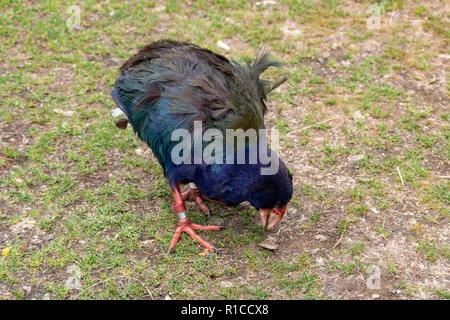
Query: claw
185 225
203 206
216 252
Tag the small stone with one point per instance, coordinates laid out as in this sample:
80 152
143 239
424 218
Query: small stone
67 113
371 47
223 45
375 296
357 115
355 158
268 245
147 242
266 3
245 204
320 237
318 139
226 284
27 289
139 151
290 31
396 291
167 297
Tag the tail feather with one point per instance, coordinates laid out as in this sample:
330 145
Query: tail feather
261 64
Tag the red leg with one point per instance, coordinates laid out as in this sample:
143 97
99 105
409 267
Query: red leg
211 200
198 197
191 192
185 225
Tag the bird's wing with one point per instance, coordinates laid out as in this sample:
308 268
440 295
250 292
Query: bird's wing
225 93
169 85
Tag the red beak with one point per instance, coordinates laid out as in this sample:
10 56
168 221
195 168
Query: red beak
275 217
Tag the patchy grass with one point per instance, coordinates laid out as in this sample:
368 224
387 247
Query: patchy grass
364 126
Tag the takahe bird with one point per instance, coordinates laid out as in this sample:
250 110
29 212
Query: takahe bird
170 85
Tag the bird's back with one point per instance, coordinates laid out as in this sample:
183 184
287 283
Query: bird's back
168 85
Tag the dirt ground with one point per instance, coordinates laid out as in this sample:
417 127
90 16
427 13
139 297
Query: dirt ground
85 211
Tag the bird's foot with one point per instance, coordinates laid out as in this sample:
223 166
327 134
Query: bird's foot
198 197
195 193
185 225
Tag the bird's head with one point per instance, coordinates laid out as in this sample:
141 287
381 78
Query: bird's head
271 195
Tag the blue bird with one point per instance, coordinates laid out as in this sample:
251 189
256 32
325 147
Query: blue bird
171 85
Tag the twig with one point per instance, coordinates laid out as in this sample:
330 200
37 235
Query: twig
90 123
401 178
28 240
340 239
6 159
444 177
307 127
